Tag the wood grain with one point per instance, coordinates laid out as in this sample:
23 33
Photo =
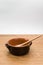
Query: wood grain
34 57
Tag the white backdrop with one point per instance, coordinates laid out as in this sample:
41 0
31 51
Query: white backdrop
21 16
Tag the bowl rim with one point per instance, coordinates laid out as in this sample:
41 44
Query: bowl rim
19 46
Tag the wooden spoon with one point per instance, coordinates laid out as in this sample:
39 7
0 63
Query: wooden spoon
27 42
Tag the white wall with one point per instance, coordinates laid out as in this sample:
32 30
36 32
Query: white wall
21 16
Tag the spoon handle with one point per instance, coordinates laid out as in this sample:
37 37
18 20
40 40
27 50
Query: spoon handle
31 40
27 42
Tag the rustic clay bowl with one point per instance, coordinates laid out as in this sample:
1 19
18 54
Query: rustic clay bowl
22 50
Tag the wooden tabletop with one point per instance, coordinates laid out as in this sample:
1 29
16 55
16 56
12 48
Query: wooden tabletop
34 57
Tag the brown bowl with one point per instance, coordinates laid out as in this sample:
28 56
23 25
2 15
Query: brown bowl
22 50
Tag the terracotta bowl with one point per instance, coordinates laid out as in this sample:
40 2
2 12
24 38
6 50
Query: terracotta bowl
22 50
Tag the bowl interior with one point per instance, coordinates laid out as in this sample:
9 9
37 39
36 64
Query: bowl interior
17 41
